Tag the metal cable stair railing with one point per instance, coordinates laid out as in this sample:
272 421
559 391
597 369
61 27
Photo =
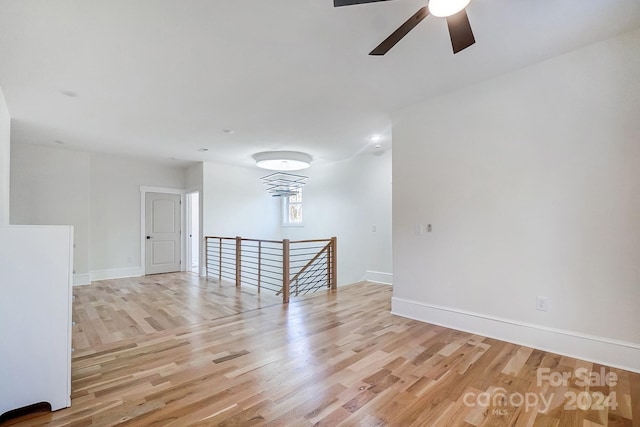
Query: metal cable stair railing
283 267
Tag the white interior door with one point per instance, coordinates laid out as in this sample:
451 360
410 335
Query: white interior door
162 224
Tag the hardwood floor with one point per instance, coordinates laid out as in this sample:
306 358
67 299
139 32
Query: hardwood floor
112 310
161 351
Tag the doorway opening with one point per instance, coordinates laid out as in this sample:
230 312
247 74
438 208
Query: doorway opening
193 228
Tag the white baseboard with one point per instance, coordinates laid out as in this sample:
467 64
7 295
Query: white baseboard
81 279
379 277
609 352
115 273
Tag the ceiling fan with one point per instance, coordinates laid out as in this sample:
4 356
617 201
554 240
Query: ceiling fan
454 10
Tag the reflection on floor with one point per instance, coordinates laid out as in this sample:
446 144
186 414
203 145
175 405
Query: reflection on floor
112 310
176 351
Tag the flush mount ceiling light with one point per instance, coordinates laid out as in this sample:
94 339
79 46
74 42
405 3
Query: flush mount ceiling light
444 8
282 160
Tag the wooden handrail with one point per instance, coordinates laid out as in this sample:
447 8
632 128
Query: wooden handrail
260 240
244 239
310 241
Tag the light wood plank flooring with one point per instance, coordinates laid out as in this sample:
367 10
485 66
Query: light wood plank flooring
112 310
187 352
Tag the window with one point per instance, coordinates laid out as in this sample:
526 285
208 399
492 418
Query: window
292 208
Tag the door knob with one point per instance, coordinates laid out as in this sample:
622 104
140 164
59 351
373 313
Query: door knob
149 237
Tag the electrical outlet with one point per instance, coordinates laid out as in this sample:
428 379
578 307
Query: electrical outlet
419 230
373 228
429 228
542 304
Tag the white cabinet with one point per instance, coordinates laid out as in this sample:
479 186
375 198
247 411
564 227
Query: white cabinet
35 316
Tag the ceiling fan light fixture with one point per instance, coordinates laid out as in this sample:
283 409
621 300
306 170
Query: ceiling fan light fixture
282 160
444 8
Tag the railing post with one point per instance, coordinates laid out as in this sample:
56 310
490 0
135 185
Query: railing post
238 259
334 263
285 271
220 261
259 262
206 258
328 255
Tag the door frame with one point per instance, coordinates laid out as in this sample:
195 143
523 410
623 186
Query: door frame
198 189
144 189
188 214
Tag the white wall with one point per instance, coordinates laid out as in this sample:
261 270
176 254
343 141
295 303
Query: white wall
346 200
532 184
50 186
5 160
98 194
115 207
235 203
194 177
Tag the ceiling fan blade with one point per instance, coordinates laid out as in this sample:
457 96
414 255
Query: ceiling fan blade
398 34
460 31
338 3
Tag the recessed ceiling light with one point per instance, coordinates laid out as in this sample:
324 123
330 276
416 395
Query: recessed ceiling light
203 149
375 138
282 160
69 93
228 131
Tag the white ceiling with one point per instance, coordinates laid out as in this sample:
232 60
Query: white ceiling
162 78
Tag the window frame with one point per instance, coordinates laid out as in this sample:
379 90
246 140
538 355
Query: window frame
286 203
